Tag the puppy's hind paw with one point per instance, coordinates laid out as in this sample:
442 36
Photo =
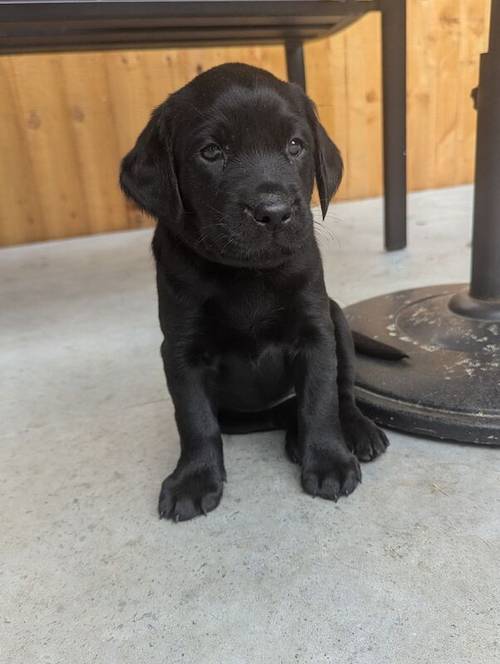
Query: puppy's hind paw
363 436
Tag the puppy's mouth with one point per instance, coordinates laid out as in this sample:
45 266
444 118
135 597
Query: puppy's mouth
263 247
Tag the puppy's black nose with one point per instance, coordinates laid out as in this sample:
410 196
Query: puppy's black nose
272 212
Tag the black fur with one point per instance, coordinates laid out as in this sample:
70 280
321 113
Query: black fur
251 340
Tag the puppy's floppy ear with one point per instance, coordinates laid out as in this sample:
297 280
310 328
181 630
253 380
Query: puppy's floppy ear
147 174
327 160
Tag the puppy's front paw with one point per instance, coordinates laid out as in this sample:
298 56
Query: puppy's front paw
190 491
363 436
329 474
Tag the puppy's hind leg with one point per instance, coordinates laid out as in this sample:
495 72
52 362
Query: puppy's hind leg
363 437
282 416
276 417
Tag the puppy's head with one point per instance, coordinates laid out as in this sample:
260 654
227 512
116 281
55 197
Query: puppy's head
229 162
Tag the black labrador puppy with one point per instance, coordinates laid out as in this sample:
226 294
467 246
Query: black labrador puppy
252 342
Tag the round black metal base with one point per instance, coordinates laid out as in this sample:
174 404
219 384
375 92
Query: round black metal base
449 388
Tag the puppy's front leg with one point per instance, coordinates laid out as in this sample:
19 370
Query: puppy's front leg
329 469
195 486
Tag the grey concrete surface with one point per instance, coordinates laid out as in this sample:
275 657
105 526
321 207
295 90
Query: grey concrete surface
405 570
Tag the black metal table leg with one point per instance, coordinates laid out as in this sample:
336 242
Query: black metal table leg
394 119
449 388
295 63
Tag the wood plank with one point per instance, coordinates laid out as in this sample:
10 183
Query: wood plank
21 218
50 146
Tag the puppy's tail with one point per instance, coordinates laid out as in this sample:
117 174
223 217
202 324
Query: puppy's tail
373 348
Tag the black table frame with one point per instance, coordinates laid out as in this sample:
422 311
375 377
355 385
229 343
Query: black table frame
31 26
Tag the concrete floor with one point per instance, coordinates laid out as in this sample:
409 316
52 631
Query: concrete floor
406 570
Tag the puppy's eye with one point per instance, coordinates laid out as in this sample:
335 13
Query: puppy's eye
295 147
212 152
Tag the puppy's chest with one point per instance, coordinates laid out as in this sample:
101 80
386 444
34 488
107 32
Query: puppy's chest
247 321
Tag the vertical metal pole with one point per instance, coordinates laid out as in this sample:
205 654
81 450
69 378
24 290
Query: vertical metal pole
394 106
485 273
295 63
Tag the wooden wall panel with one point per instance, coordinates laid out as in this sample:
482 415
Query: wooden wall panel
66 119
346 86
445 39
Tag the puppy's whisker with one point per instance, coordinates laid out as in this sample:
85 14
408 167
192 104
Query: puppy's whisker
204 234
325 232
228 244
217 236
